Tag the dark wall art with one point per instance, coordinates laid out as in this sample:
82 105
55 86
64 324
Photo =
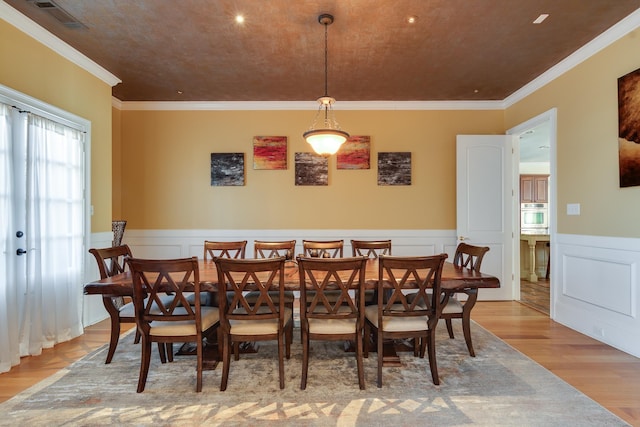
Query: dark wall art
394 168
311 169
354 153
270 152
227 169
629 128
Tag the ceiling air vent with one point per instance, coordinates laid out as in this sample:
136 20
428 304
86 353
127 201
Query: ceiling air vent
64 17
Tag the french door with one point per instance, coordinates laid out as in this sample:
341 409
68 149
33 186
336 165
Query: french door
42 225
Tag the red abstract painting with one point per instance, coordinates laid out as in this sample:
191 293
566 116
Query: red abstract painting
354 153
270 152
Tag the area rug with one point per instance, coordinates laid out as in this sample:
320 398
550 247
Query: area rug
499 387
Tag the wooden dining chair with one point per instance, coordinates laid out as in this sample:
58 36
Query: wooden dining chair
274 249
215 249
395 316
468 256
332 319
111 261
174 320
261 319
323 248
370 248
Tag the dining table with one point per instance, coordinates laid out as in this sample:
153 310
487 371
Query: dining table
454 278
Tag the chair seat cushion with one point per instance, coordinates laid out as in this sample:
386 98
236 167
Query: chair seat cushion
396 324
205 298
332 326
209 316
257 327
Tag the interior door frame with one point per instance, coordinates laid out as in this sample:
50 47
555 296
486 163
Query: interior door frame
550 116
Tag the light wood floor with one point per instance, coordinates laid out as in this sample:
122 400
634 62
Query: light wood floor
608 376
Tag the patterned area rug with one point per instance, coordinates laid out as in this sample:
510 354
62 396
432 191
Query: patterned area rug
499 387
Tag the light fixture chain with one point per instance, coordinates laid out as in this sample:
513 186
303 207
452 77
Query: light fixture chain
326 60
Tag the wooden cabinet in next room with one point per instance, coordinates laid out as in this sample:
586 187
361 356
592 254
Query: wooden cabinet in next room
534 188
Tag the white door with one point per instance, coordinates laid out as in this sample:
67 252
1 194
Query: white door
485 203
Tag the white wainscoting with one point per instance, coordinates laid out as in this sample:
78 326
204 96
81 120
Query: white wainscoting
596 288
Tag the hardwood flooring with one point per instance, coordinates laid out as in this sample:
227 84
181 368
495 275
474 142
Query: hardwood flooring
609 376
536 294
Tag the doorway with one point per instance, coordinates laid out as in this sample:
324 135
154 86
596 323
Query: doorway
535 158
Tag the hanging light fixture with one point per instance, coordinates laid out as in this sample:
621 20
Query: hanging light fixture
328 137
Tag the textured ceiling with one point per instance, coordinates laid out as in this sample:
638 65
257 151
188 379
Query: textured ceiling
456 50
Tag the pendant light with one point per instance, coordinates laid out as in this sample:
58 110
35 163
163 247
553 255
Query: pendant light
328 137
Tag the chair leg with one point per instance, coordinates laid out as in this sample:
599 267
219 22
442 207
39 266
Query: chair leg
380 342
304 336
236 350
226 361
199 355
145 360
359 359
431 348
449 328
367 343
169 347
281 359
162 352
288 339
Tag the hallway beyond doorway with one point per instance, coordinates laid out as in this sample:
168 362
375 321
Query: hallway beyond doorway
536 294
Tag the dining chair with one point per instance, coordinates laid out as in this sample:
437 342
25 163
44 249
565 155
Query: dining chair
273 249
174 320
111 261
261 319
323 248
332 319
370 248
215 249
395 317
468 256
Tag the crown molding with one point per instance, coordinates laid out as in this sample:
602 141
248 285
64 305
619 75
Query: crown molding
616 32
305 105
29 27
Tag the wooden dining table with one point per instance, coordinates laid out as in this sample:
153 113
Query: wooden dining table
454 278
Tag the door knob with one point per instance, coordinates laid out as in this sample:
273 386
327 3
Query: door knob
462 238
21 252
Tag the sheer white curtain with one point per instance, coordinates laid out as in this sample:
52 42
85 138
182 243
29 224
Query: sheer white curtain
41 291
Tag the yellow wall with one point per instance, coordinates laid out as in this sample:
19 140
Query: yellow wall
117 165
166 171
33 69
587 146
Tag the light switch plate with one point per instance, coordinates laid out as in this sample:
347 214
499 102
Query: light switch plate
573 208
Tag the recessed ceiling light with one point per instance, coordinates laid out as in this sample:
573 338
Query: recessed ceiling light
541 18
239 19
412 19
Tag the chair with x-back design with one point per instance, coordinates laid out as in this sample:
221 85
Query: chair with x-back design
396 316
261 319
